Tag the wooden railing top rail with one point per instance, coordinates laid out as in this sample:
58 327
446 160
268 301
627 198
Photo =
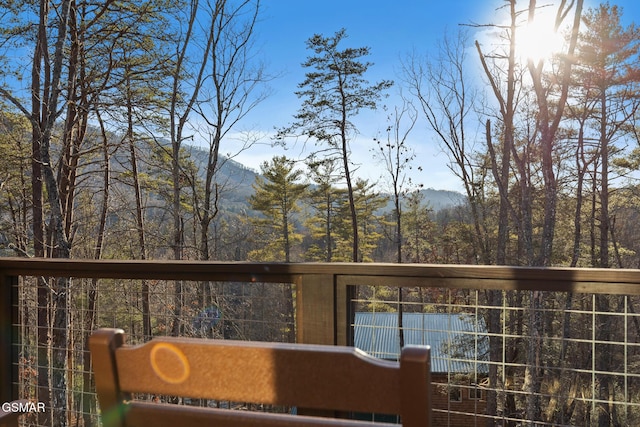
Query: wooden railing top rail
610 281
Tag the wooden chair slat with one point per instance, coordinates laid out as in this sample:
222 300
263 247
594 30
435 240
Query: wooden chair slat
313 377
276 374
142 414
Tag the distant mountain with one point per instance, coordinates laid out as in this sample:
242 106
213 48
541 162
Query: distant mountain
235 179
442 199
236 182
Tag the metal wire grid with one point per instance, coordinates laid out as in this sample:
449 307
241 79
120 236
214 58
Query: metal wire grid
223 310
569 360
588 363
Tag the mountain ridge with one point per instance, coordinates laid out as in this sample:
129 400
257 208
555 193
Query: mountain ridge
238 179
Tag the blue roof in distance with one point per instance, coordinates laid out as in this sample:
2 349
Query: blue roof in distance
459 341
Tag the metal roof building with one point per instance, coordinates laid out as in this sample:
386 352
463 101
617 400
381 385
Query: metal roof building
459 342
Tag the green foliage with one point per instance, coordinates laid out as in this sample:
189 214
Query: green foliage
368 204
159 178
277 198
15 186
122 82
335 90
418 231
324 200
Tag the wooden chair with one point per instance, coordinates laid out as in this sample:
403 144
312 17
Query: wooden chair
323 378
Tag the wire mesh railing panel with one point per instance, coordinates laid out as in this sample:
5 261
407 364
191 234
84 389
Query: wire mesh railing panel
513 357
56 317
529 351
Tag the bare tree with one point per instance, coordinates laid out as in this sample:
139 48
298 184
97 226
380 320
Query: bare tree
46 87
441 87
187 78
324 199
396 155
448 104
230 92
550 115
550 100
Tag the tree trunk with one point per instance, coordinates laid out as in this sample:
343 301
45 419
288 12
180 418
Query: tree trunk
352 204
178 119
328 239
47 97
494 328
88 401
549 121
581 167
604 183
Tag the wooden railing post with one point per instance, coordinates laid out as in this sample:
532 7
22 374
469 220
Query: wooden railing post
316 309
8 338
316 317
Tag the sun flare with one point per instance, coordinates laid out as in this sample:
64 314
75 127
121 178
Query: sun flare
538 40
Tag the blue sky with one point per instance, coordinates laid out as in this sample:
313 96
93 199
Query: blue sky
391 29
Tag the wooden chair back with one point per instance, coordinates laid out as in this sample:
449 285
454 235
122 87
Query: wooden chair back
323 378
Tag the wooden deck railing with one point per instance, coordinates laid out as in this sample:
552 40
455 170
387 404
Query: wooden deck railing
323 292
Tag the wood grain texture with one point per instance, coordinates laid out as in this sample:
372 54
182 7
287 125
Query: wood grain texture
321 377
